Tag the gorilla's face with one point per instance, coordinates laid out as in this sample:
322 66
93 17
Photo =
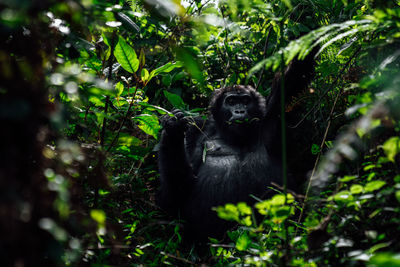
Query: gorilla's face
238 112
239 108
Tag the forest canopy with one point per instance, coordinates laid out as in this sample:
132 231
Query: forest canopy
84 85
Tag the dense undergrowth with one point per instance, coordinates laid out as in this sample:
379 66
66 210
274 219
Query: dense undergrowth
84 83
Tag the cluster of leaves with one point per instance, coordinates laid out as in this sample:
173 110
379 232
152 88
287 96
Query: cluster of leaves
115 68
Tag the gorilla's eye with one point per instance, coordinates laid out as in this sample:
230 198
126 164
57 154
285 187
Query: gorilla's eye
246 100
230 100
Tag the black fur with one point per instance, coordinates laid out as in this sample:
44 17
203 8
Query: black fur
222 159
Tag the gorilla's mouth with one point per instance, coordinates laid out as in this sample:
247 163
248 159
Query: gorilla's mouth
242 121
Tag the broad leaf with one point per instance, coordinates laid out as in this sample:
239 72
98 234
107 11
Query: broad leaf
126 56
148 124
175 100
392 147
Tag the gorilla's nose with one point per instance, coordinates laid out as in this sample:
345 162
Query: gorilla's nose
239 112
239 115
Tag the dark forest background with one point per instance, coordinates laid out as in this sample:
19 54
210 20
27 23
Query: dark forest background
83 84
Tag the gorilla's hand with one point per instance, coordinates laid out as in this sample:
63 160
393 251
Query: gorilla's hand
175 125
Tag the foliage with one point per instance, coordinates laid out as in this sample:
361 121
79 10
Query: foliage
106 72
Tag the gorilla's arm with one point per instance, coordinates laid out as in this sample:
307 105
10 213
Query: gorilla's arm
297 76
176 173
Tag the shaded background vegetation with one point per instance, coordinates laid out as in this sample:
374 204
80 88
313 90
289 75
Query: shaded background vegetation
84 82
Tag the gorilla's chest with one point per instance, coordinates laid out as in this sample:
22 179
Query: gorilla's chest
232 174
222 162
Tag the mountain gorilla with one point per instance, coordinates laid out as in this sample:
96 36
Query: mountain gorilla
232 156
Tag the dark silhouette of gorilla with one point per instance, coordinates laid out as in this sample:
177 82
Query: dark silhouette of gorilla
229 157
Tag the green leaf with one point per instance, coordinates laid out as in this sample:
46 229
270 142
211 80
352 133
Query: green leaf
175 100
374 185
281 213
343 197
228 212
315 149
128 140
142 58
145 75
167 80
191 64
99 216
120 88
243 208
288 4
263 207
392 147
150 107
385 259
126 56
348 178
243 242
278 200
167 67
148 124
356 189
398 196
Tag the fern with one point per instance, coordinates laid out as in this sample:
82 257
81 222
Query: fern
304 45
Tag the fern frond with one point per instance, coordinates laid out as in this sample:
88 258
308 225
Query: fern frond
304 45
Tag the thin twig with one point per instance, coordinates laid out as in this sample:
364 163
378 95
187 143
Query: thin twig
264 56
287 255
107 101
327 90
178 258
324 139
225 44
123 121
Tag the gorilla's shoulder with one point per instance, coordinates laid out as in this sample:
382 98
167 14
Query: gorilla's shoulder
199 126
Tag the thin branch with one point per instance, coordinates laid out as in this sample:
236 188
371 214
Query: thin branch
327 90
110 62
123 121
178 258
225 44
264 57
287 256
324 138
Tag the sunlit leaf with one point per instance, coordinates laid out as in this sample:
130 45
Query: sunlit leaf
392 147
243 242
385 259
148 124
356 189
343 197
126 56
398 195
150 107
348 178
168 67
228 212
120 88
145 75
374 185
99 216
243 208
